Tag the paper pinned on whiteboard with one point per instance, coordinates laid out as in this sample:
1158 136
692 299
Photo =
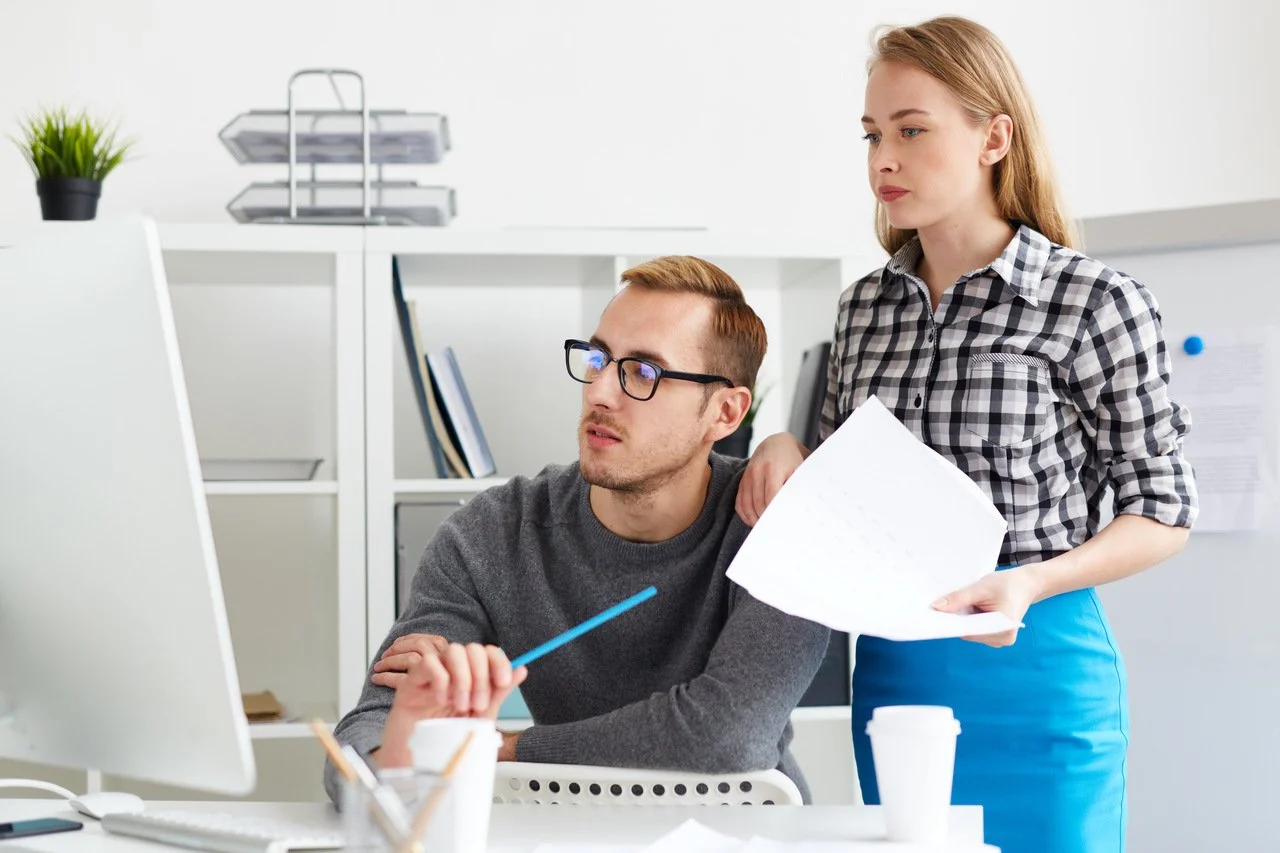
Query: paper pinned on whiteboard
870 531
1230 387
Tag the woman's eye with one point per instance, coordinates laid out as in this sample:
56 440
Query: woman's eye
912 132
873 138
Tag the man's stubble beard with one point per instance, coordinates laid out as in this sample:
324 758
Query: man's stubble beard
636 484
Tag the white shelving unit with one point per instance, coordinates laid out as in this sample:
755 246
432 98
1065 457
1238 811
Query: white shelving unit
285 262
320 667
309 568
505 300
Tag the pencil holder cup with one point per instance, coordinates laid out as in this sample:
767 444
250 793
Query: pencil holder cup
434 744
411 813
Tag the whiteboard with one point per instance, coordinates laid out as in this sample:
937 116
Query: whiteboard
1199 632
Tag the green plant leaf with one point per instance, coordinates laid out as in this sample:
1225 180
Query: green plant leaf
57 144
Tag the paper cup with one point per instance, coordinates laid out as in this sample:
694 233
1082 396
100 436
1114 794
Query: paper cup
433 744
914 751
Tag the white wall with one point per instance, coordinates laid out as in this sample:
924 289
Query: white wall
732 115
736 115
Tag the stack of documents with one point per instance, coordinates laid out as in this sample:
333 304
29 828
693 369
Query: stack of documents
871 530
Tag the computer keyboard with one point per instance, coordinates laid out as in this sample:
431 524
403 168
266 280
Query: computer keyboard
223 833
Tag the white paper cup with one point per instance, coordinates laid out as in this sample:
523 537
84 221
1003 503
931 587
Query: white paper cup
914 751
433 744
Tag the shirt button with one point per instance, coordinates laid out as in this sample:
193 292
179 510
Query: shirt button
918 401
930 338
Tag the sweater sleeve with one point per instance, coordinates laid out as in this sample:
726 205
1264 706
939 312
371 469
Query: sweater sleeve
443 601
729 719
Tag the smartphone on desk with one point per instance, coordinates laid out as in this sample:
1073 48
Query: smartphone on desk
39 826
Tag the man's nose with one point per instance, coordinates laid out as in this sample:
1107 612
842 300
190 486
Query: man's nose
606 389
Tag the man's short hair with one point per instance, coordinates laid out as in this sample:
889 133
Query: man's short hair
738 340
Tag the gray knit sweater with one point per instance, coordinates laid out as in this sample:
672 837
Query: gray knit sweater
702 677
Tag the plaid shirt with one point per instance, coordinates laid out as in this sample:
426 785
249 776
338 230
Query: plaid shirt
1043 376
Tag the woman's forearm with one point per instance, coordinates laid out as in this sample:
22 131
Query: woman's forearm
1126 546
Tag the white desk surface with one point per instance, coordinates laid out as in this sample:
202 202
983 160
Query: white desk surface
516 828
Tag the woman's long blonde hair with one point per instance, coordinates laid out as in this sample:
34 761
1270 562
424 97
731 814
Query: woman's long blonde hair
970 61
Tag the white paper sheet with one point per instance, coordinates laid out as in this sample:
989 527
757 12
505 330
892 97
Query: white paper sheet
693 837
572 847
870 531
1231 389
769 845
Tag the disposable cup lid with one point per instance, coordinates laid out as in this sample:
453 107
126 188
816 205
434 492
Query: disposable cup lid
915 719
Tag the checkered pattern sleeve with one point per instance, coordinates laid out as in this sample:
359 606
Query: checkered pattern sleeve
1119 382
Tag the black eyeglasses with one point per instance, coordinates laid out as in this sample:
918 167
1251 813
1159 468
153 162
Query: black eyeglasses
639 378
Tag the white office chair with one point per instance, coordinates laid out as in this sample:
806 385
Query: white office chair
576 784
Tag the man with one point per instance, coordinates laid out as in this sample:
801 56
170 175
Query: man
703 677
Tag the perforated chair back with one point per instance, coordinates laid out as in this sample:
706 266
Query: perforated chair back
561 784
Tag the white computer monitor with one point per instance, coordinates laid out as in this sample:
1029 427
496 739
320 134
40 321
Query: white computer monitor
115 653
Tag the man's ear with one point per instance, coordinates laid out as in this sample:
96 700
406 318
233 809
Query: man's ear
999 139
731 405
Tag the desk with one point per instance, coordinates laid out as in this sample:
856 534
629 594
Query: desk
518 828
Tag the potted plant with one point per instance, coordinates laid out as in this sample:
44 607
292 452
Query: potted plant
70 155
738 442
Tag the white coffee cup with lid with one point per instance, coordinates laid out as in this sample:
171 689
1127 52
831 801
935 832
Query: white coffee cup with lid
914 750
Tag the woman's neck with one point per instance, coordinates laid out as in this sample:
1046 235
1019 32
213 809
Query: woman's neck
953 248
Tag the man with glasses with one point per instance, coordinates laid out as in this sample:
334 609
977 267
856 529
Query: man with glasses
703 677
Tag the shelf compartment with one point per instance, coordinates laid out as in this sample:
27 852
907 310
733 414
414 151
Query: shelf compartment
333 136
258 470
296 725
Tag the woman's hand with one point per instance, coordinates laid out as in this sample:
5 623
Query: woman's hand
1011 592
773 463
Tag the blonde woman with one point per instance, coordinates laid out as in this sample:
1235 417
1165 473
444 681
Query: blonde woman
1043 375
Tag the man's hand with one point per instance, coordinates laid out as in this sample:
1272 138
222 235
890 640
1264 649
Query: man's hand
456 681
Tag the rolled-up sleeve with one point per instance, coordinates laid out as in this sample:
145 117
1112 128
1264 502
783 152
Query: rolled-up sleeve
1120 383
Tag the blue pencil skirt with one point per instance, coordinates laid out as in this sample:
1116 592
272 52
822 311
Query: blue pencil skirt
1044 724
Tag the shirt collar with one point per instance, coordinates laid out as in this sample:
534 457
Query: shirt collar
1020 266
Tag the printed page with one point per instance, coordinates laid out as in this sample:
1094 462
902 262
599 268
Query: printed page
1230 389
870 531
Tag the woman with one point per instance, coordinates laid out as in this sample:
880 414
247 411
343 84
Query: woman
1043 375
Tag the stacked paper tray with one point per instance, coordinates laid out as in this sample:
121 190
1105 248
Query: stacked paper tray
334 136
398 202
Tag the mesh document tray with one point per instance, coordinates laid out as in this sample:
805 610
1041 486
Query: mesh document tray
333 136
398 202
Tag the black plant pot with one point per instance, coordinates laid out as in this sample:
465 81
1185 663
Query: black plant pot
736 443
68 198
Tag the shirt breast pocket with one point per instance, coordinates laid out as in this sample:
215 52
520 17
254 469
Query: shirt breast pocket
1008 398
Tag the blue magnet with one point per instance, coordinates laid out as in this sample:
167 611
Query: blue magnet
1194 345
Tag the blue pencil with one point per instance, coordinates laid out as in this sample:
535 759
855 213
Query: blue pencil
594 622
